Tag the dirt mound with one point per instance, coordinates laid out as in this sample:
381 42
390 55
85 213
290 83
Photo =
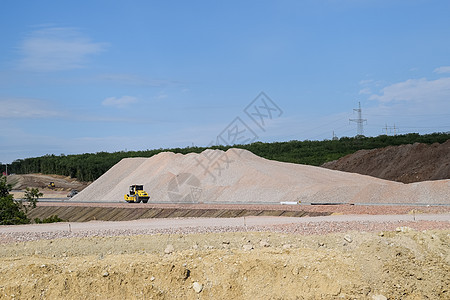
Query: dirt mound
405 163
404 264
239 176
62 183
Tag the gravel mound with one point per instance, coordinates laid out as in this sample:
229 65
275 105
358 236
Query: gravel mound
405 163
239 176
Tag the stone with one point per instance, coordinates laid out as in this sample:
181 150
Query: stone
287 246
247 247
264 243
198 287
348 238
403 229
105 274
169 249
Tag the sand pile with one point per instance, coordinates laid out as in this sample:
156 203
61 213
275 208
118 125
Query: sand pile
239 176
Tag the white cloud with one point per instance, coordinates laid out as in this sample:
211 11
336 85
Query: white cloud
26 108
441 70
56 49
416 90
119 102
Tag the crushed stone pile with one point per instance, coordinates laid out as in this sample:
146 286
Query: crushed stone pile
239 176
406 163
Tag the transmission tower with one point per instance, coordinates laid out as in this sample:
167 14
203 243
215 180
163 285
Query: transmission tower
360 121
392 129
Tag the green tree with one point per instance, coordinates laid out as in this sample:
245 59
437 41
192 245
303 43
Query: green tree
10 211
31 196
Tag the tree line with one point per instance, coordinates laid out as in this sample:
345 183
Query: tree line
90 166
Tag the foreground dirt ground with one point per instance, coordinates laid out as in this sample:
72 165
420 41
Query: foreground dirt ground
399 264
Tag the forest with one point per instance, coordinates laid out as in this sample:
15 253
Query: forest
90 166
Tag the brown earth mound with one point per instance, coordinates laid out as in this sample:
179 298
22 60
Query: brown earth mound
405 163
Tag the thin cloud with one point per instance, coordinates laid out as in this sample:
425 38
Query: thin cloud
119 102
366 81
131 79
27 108
365 91
441 70
416 90
56 49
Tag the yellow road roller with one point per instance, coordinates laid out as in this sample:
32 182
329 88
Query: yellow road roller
137 194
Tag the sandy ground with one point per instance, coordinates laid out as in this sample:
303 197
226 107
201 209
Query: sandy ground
404 264
332 257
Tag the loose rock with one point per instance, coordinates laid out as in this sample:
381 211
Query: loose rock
198 287
169 249
264 243
348 238
247 247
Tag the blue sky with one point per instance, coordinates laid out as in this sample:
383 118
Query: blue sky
90 76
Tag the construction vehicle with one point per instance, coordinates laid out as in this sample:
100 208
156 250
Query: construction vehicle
51 185
72 193
137 194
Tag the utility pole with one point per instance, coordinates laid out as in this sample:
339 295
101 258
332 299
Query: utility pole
359 121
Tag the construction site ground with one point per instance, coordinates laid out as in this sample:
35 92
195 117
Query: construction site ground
348 252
